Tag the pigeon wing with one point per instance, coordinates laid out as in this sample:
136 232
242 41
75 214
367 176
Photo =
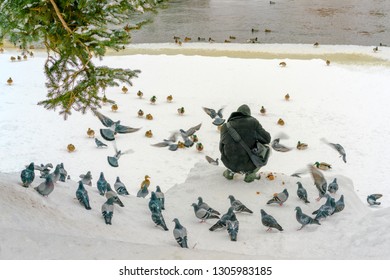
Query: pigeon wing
107 134
210 112
125 129
193 129
107 122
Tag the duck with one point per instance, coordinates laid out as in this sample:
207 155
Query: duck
146 182
316 44
199 147
375 49
71 148
187 39
104 99
140 113
90 133
19 58
287 97
140 94
178 42
211 40
13 58
327 62
322 165
252 40
283 64
180 145
267 30
176 38
114 107
232 37
1 50
180 111
253 30
263 111
201 39
10 81
25 57
301 146
153 99
169 98
149 133
125 89
194 138
227 41
280 122
149 117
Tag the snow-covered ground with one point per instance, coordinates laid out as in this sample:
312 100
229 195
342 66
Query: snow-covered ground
344 102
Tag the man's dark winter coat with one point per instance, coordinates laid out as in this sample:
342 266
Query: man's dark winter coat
233 155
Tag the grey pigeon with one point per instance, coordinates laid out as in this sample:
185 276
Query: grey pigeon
86 178
180 234
232 229
279 198
238 205
333 186
56 173
204 205
160 196
372 199
185 134
82 196
319 181
326 209
154 203
46 187
170 142
102 184
275 144
108 210
113 127
203 214
269 221
215 115
158 219
143 192
302 193
44 169
212 161
340 205
338 148
99 143
63 173
221 223
119 187
115 197
304 219
28 175
113 160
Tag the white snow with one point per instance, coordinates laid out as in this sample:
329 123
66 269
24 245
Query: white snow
345 103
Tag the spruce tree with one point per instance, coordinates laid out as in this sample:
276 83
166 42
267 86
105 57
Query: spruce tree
73 32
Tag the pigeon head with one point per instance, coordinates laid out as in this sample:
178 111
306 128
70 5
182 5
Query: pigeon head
263 213
298 209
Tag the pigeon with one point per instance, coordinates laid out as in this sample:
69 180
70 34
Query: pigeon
102 184
28 175
143 191
302 193
304 219
114 196
119 187
160 196
86 178
338 148
186 134
372 199
212 161
113 127
108 210
326 209
215 115
56 173
232 229
279 198
319 181
113 161
204 205
63 173
340 205
99 143
46 187
279 147
238 205
221 223
170 142
180 234
44 169
269 221
82 196
158 219
154 203
203 214
333 187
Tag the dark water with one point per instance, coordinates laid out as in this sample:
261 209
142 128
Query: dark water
345 22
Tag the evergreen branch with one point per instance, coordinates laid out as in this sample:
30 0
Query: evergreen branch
60 16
